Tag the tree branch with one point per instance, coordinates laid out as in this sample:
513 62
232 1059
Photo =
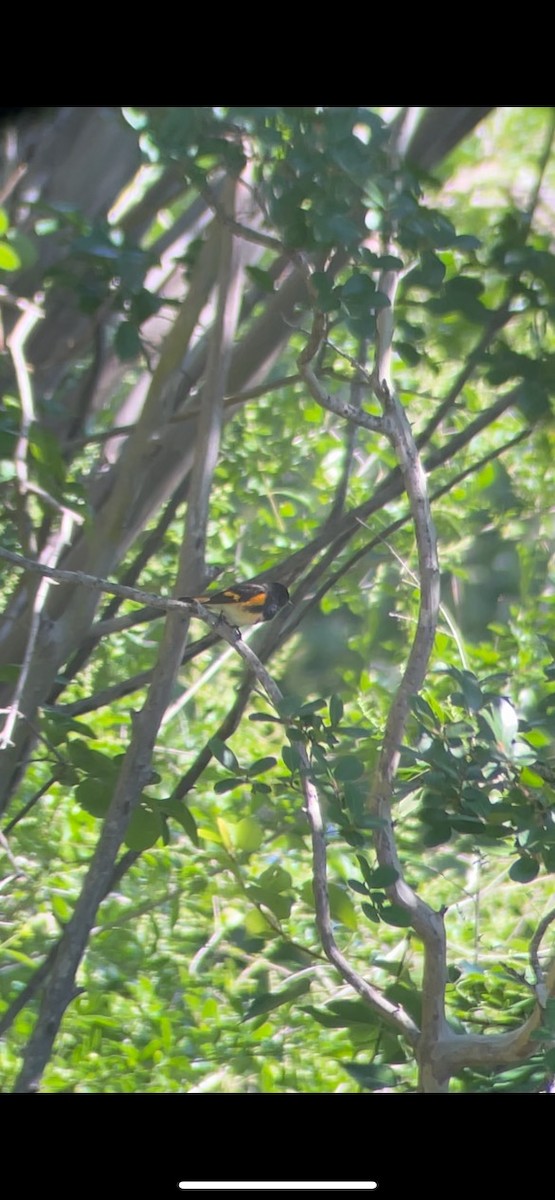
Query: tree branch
341 408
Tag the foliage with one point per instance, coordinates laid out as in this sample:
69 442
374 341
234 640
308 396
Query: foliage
204 969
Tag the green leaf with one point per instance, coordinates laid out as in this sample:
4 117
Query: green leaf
310 708
93 762
382 877
395 914
261 766
94 797
341 907
269 1001
276 878
228 785
144 829
524 869
466 241
353 1012
127 342
46 451
262 279
248 835
224 755
290 758
9 260
371 912
10 672
371 1076
277 903
348 769
366 869
178 811
550 1059
268 717
57 725
437 833
336 709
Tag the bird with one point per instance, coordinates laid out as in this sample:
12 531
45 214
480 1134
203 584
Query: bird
244 603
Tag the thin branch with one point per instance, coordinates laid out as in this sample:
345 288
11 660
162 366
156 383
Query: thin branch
396 427
237 227
30 804
541 990
94 582
16 345
341 408
52 502
350 443
427 923
39 602
188 414
393 1014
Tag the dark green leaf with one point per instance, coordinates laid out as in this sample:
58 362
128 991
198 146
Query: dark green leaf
371 912
269 1001
228 785
224 755
262 279
94 797
127 342
348 769
290 758
371 1076
93 762
336 710
395 914
144 829
261 766
382 877
524 869
183 815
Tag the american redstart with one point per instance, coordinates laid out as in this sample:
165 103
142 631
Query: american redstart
245 603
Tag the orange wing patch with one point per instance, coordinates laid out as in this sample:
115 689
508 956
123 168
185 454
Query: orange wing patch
255 601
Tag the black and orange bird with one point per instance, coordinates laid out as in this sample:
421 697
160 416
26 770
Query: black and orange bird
245 603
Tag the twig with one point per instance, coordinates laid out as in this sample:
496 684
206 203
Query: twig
541 990
16 345
30 804
95 582
393 1014
350 443
341 408
228 221
39 601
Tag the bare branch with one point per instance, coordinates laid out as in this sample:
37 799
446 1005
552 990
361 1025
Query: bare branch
541 989
393 1014
16 344
228 221
350 412
95 582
